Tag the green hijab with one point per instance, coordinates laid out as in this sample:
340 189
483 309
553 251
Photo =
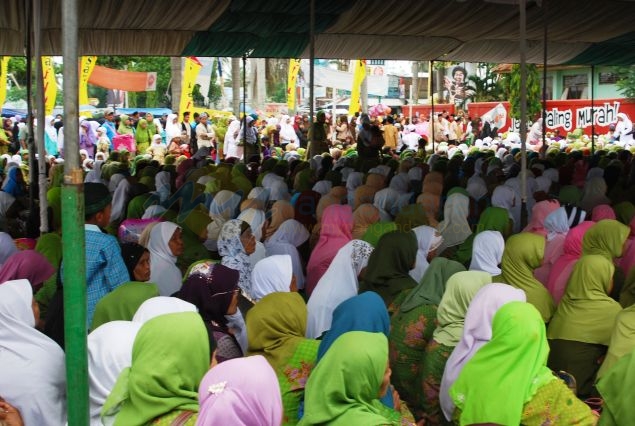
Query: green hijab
586 313
343 389
240 180
459 292
618 408
606 238
170 356
570 194
276 325
142 135
622 340
492 219
302 180
138 205
410 217
432 286
124 129
507 371
389 265
122 303
624 212
377 230
50 246
524 253
54 199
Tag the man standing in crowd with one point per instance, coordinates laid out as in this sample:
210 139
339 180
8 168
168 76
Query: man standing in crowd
205 136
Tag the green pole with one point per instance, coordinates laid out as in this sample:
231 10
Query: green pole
73 231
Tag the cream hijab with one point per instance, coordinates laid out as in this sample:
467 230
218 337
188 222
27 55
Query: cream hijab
163 270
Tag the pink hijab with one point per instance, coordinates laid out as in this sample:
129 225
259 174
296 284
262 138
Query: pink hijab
335 232
29 265
538 215
572 250
603 211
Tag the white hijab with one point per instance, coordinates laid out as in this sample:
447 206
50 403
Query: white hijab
161 305
223 208
270 275
455 229
279 190
163 185
487 252
163 270
354 180
296 261
153 211
259 193
120 200
425 235
256 219
95 174
338 284
387 202
109 352
172 130
233 254
323 187
114 181
7 247
290 231
32 369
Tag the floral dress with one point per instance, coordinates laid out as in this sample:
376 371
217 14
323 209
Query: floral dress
292 378
436 357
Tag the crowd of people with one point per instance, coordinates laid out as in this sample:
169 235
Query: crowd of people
282 271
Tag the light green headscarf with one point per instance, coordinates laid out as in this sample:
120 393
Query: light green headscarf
142 136
506 372
586 313
122 303
344 387
606 238
432 286
459 292
524 253
124 129
50 246
622 340
614 387
377 230
170 356
570 194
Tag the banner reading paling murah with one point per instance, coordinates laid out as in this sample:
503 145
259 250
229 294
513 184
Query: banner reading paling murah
50 85
294 68
87 64
359 73
4 64
190 70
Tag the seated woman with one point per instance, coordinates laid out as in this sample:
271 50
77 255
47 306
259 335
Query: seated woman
412 327
214 291
275 330
272 274
32 370
507 381
580 330
165 245
346 385
241 391
170 356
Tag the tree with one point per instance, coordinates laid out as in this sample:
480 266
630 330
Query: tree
487 88
534 95
626 81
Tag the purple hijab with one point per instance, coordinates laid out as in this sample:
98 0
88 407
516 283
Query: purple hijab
476 332
29 265
240 392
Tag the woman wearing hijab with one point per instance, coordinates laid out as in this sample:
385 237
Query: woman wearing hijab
120 200
454 228
272 274
524 253
32 370
109 352
165 246
240 392
354 181
606 238
428 241
7 247
388 272
336 230
539 213
256 220
617 406
224 207
345 387
515 360
281 211
492 219
477 331
50 246
580 330
412 327
602 211
460 290
363 217
386 201
142 136
161 305
488 252
236 243
214 291
505 197
170 356
339 283
594 194
275 329
29 265
622 340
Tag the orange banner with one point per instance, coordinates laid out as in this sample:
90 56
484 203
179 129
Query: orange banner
129 81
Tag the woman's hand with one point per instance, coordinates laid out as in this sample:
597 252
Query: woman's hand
9 414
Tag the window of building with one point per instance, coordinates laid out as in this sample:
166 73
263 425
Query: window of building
608 77
575 86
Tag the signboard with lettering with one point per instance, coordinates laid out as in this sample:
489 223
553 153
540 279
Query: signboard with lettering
565 115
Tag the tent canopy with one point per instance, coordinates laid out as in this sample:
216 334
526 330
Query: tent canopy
589 32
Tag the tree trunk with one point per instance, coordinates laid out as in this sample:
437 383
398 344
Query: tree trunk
236 79
176 66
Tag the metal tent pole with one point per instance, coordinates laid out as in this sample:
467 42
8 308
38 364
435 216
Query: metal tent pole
311 61
523 107
544 73
73 230
39 102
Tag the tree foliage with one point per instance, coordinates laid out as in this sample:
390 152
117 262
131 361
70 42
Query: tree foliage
487 88
626 81
534 94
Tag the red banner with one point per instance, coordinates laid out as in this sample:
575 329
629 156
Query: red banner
565 116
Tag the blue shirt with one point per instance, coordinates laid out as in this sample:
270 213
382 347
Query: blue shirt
110 129
105 269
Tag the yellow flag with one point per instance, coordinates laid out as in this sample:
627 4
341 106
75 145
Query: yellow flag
359 73
50 85
86 67
294 67
190 72
4 64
